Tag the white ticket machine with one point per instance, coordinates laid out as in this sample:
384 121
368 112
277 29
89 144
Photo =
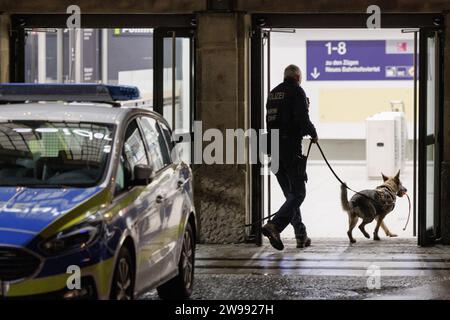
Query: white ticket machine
386 137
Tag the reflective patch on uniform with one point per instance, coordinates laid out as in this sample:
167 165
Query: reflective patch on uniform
276 96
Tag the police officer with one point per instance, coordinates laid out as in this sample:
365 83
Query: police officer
287 110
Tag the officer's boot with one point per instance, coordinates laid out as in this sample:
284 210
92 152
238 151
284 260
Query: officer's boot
270 231
303 241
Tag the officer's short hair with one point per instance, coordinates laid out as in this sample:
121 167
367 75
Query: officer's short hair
292 71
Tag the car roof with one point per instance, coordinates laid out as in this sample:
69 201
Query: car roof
70 112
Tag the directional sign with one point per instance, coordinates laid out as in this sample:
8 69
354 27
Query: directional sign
315 74
359 60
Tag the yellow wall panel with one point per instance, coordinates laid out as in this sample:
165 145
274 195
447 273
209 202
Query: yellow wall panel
356 104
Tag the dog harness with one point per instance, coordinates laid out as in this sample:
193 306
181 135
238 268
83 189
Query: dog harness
384 199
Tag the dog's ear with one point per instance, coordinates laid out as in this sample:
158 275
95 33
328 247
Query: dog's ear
384 177
397 176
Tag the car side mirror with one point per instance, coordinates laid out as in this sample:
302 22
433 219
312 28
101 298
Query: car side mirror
143 174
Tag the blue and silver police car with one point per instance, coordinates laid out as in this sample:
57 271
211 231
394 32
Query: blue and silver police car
94 202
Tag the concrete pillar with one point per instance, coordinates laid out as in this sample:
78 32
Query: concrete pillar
4 47
221 191
445 165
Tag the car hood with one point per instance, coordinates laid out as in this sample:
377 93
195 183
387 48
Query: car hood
25 212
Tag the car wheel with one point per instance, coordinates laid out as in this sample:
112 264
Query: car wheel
123 281
182 285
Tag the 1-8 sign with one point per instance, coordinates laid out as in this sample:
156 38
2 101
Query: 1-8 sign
336 60
341 48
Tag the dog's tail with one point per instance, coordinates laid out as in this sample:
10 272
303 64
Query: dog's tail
344 199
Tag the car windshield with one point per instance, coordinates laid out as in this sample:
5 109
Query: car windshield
53 154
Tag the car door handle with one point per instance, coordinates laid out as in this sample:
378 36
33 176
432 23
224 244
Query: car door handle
159 199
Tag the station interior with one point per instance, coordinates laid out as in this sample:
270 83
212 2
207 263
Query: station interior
341 110
378 97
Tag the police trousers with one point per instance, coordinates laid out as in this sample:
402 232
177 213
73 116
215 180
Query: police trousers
292 182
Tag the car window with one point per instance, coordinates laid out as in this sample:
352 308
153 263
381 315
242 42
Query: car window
133 153
54 154
120 177
157 147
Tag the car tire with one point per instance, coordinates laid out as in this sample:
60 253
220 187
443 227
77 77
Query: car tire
182 285
123 281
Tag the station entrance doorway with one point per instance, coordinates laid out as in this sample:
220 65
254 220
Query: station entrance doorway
152 52
375 98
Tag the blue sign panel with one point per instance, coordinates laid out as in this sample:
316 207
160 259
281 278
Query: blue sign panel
359 60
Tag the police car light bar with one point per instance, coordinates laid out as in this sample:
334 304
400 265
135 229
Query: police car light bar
17 92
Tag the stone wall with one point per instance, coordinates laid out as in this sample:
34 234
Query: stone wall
192 6
220 190
220 203
103 6
333 6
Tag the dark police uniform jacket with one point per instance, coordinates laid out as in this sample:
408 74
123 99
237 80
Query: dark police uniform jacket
288 110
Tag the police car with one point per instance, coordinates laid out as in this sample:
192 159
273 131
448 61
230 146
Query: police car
94 201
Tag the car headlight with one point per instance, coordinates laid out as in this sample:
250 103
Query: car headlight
74 238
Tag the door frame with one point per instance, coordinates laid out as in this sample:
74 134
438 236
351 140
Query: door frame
424 239
21 22
256 121
183 24
299 21
159 34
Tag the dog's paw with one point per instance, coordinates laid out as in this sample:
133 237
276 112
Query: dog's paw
364 232
376 238
352 241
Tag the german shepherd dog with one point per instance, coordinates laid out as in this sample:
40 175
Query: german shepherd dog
372 204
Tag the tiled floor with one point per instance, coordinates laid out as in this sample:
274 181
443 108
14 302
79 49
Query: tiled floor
328 257
329 269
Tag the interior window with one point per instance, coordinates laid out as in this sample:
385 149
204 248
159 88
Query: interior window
157 148
133 153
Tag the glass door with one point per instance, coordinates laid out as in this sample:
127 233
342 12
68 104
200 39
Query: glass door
174 83
429 155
